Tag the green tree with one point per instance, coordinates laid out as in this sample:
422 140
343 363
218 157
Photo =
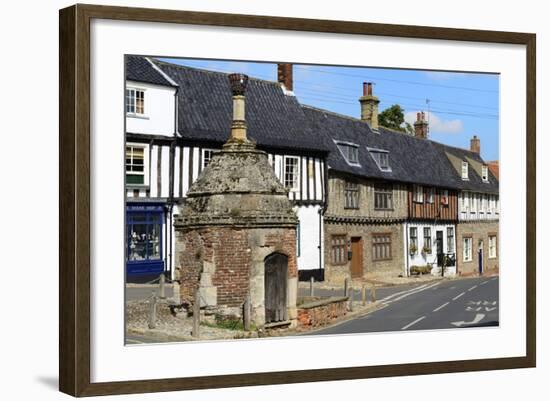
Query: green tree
394 118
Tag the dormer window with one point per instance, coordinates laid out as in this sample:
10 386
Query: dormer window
465 170
485 173
135 101
350 151
381 157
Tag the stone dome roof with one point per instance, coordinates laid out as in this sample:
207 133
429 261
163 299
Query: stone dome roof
237 188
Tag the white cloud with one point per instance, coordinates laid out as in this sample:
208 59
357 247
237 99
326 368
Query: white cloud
437 124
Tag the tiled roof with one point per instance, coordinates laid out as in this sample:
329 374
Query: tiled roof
205 111
140 69
412 160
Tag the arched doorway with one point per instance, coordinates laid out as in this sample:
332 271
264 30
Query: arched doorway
275 285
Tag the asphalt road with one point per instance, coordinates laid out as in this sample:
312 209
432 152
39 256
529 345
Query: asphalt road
441 305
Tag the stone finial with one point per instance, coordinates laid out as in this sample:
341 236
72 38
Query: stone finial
238 83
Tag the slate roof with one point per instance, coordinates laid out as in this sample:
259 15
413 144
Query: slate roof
412 160
205 110
139 69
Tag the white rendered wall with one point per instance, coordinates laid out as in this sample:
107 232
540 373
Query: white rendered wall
309 237
421 260
159 106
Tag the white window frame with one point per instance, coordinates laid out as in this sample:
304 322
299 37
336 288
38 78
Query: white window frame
296 186
485 174
418 194
203 154
467 256
465 171
134 113
145 164
492 247
430 195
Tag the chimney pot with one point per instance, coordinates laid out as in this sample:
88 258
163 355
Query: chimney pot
369 88
364 89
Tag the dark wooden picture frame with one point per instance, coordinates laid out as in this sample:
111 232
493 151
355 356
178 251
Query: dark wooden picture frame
74 199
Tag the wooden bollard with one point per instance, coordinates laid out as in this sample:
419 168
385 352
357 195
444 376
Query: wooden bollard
373 293
196 313
364 295
246 313
162 286
351 299
311 290
346 284
152 317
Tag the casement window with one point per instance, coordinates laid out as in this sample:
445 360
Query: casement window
485 173
484 203
351 195
338 249
413 240
383 197
350 151
135 101
430 195
465 170
136 164
381 246
474 203
444 197
292 173
492 204
465 202
207 156
418 194
450 239
427 240
492 246
381 157
467 249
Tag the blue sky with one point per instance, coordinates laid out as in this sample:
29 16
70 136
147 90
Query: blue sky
459 104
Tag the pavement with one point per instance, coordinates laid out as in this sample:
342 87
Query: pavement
463 303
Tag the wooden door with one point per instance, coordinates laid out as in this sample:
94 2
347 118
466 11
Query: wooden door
356 257
275 281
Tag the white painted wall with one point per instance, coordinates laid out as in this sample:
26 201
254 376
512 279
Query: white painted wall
418 259
159 106
309 240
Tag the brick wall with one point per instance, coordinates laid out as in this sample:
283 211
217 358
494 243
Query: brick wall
322 314
479 230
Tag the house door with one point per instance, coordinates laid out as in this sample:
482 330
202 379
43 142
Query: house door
480 257
439 247
356 257
275 281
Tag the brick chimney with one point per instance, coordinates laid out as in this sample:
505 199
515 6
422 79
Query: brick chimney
369 106
284 76
475 144
421 126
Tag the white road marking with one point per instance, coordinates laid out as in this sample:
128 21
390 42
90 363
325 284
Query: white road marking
485 282
403 292
441 307
493 279
413 323
473 288
458 296
479 317
412 293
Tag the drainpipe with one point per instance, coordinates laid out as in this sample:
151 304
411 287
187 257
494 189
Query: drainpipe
407 253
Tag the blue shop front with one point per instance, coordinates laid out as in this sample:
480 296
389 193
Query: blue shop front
146 239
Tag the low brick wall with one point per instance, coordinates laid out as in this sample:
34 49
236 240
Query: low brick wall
322 312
